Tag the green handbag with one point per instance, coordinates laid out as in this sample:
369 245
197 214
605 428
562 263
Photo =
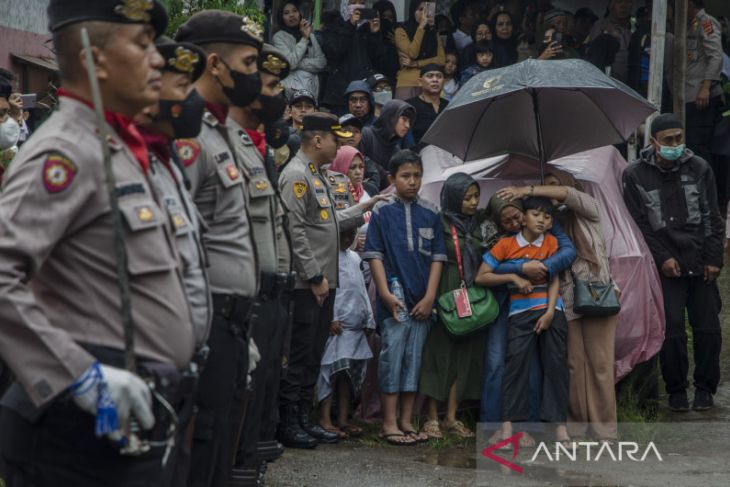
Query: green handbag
463 317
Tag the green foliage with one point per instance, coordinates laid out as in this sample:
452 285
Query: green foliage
181 10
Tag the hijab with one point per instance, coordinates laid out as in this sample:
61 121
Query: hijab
505 50
345 10
383 6
452 197
569 220
293 31
343 161
429 43
497 204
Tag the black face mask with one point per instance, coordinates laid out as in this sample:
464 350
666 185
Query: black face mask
277 134
272 108
186 116
246 87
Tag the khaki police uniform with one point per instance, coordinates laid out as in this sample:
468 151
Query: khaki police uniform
704 62
270 313
314 227
60 301
167 181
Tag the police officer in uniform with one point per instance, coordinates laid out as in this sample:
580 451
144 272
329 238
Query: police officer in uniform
219 188
269 317
314 225
703 93
179 115
66 419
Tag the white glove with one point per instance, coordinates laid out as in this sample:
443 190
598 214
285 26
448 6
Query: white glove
128 393
253 355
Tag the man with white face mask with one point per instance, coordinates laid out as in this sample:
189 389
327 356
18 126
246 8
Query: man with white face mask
382 89
671 194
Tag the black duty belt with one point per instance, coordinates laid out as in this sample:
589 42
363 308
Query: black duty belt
236 309
274 283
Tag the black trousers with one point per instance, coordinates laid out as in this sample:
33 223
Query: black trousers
703 304
61 449
701 127
268 323
308 338
521 343
217 423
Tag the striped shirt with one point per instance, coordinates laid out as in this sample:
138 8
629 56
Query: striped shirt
516 249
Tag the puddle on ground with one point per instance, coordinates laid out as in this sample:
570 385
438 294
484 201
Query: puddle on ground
453 459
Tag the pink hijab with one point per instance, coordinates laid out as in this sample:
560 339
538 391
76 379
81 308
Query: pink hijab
342 163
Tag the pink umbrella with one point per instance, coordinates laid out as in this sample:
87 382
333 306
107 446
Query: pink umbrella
640 331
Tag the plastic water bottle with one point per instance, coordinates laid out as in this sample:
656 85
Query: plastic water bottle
397 291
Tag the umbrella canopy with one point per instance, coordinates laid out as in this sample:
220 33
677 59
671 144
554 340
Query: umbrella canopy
640 332
542 110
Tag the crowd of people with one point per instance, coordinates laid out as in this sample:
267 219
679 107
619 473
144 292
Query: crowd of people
237 240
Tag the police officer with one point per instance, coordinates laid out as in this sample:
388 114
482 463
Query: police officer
179 115
63 333
269 318
219 188
702 86
314 225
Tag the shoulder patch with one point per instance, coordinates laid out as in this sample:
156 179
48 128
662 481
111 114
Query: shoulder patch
300 188
708 27
188 150
58 173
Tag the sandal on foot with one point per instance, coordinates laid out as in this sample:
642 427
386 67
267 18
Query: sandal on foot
458 428
527 441
352 431
431 429
416 436
390 438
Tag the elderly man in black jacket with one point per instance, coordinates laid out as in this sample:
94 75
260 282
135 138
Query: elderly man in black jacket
671 194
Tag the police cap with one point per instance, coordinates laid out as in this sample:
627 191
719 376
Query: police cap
324 122
213 26
62 13
181 57
274 62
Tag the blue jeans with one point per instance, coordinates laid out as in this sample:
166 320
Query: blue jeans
494 357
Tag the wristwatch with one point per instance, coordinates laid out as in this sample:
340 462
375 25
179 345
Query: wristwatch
317 279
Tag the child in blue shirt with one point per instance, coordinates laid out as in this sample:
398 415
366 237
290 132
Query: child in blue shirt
404 241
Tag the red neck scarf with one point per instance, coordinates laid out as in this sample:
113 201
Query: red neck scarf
259 140
157 142
220 112
124 128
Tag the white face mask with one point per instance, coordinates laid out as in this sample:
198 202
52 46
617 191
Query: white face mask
9 133
382 97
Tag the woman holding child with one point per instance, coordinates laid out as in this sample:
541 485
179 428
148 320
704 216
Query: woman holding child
452 367
592 399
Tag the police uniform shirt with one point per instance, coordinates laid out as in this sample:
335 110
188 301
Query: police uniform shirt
218 187
264 206
167 180
704 55
314 224
59 284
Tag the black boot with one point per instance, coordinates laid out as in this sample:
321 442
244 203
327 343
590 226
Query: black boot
315 430
290 432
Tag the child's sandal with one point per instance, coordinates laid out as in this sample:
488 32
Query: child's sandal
432 430
458 428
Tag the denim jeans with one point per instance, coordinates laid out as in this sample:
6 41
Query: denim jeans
494 357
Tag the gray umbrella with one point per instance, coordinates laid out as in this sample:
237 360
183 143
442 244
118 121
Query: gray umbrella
543 110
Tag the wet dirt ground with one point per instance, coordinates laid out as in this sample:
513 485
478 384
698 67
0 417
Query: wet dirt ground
696 461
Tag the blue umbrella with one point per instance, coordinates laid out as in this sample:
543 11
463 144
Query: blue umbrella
543 110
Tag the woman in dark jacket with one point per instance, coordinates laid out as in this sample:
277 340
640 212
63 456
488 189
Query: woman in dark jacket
352 53
383 139
504 38
390 63
480 31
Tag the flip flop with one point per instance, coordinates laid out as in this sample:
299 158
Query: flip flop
389 439
351 430
415 436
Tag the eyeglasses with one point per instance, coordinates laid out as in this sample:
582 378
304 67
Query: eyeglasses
358 99
380 89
